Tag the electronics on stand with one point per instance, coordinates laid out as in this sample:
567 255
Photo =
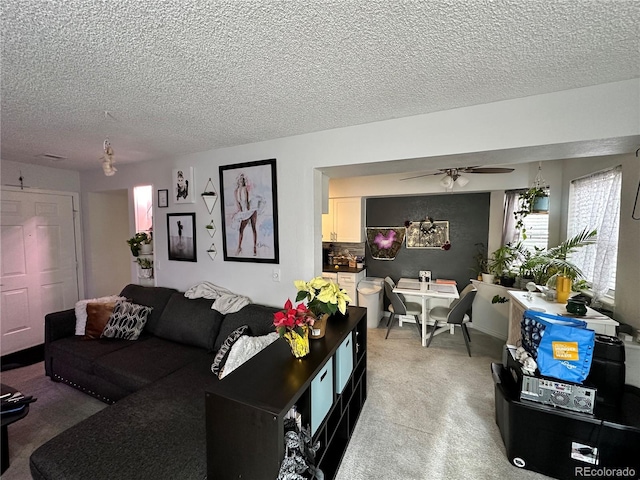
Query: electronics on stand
603 386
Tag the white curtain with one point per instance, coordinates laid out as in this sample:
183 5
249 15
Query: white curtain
595 204
509 232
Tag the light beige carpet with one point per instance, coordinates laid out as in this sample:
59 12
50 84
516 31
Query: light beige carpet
429 412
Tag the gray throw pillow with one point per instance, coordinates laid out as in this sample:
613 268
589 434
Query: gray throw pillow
127 321
223 353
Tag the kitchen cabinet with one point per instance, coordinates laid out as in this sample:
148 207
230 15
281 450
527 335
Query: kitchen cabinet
344 222
349 282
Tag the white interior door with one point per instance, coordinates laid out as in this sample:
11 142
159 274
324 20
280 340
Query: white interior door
39 268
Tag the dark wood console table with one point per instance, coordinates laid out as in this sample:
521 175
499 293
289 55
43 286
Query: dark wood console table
245 412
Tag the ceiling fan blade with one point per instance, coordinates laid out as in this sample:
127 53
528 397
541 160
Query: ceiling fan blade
423 175
487 170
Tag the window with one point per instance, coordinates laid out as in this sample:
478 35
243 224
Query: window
143 200
594 203
536 225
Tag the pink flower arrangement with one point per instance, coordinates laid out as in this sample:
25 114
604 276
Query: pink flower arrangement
296 319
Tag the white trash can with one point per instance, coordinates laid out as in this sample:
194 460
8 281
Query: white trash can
370 296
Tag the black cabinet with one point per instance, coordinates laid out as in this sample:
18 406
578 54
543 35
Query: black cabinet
245 411
566 444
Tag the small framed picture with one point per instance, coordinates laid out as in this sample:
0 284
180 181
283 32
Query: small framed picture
163 198
183 185
181 233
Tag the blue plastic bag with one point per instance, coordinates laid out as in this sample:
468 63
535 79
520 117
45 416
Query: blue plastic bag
562 347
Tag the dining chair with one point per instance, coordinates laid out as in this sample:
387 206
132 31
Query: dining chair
400 307
456 314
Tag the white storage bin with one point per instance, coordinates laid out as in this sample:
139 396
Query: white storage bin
344 363
321 395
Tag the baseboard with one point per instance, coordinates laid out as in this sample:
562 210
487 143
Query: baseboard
25 357
493 333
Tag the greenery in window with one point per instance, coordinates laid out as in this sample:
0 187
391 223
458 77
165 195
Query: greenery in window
527 202
542 264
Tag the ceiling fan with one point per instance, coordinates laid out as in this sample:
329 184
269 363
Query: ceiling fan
454 175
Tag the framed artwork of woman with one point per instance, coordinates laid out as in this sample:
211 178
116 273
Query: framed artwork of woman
249 212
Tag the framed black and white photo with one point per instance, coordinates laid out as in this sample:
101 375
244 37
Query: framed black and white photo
249 212
163 198
181 236
427 234
182 190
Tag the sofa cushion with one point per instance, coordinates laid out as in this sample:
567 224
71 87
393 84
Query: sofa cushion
98 315
145 362
189 321
127 321
159 432
156 297
259 319
82 354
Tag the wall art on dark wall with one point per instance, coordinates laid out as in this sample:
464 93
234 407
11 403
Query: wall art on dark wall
385 242
427 234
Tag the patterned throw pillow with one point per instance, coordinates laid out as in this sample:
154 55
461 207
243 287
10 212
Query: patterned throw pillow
221 356
127 321
245 348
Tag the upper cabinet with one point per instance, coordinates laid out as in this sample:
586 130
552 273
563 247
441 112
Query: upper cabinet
344 222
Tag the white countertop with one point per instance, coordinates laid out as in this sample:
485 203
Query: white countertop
539 303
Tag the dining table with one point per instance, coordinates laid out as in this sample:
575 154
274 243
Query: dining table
426 291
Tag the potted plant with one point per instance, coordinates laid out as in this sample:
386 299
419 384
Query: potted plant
542 264
501 262
324 298
146 267
534 200
479 261
136 242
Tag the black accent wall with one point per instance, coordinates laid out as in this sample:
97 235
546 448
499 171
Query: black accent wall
468 216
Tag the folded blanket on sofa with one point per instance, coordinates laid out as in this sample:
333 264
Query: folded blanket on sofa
225 301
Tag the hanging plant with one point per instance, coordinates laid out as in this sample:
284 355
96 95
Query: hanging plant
527 204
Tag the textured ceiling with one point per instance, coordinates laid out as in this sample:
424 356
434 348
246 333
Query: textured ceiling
189 75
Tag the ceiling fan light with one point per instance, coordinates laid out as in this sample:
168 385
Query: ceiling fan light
462 181
446 181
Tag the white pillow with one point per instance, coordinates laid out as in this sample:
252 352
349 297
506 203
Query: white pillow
245 348
81 310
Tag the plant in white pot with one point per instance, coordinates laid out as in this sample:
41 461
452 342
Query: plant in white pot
145 267
140 243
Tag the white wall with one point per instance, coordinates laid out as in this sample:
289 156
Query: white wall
587 114
36 176
108 258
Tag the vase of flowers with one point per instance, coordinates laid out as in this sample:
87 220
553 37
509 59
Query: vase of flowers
324 298
293 324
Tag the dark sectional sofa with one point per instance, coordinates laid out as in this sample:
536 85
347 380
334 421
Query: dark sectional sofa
155 427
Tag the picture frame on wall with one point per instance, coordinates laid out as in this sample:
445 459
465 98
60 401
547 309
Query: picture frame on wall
427 234
163 198
183 186
181 237
249 212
